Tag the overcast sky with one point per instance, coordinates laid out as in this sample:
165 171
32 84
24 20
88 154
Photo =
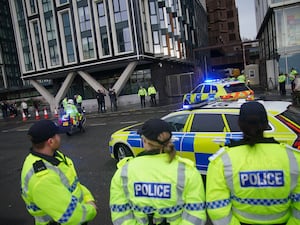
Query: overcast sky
247 19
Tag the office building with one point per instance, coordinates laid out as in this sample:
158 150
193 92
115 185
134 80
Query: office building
85 45
278 23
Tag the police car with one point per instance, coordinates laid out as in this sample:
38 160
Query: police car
222 89
199 133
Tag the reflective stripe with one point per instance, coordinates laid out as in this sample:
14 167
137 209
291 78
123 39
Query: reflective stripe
294 167
69 211
224 220
227 170
84 213
296 213
260 202
192 219
180 182
142 220
120 208
124 176
42 219
260 216
122 219
295 197
217 204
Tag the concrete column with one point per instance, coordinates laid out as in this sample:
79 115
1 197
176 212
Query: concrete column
91 81
64 87
119 85
45 93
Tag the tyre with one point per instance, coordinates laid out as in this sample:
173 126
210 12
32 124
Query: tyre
121 151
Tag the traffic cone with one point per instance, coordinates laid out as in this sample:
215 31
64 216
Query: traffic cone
37 115
55 113
24 118
45 114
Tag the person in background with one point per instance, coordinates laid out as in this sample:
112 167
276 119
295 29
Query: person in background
65 102
157 187
50 186
296 93
4 107
282 81
255 180
152 94
113 99
101 100
242 77
142 93
72 111
79 100
24 107
292 75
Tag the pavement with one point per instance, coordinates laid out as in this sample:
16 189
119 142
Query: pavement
167 106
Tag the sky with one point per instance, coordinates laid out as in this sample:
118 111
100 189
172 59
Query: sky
246 11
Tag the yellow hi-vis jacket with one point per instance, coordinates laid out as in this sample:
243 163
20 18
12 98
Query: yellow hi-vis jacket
151 90
150 184
52 192
254 185
142 92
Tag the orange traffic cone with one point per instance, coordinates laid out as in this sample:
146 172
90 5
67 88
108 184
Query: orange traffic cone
24 118
45 114
55 113
37 115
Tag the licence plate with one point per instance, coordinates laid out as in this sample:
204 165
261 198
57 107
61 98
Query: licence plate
65 124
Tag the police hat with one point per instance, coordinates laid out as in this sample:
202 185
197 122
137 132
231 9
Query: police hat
152 128
253 113
43 130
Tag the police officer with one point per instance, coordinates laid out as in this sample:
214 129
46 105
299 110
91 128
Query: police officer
242 77
50 187
142 93
72 110
152 94
281 81
292 77
255 180
157 187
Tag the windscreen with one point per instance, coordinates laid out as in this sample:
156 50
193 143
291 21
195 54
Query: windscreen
231 88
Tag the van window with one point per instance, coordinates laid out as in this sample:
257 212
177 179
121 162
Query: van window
177 122
232 121
207 123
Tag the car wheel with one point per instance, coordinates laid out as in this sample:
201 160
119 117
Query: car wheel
122 151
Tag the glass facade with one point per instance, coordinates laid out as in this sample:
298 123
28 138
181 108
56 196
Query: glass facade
123 34
288 38
69 45
103 27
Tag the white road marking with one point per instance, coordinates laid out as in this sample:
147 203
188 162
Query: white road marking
126 122
97 124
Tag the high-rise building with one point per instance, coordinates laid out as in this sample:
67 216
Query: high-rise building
81 46
278 23
224 34
10 76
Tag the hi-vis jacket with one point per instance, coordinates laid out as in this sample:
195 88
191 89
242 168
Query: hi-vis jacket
149 184
52 192
254 185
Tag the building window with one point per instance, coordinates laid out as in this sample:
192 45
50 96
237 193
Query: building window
87 47
84 18
153 13
32 5
137 79
54 58
63 1
47 5
123 33
38 44
102 18
50 28
229 14
68 37
232 37
231 26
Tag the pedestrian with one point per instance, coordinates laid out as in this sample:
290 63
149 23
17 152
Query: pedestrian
50 186
292 75
255 180
4 108
281 81
101 100
296 92
113 99
158 186
142 93
152 94
24 107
